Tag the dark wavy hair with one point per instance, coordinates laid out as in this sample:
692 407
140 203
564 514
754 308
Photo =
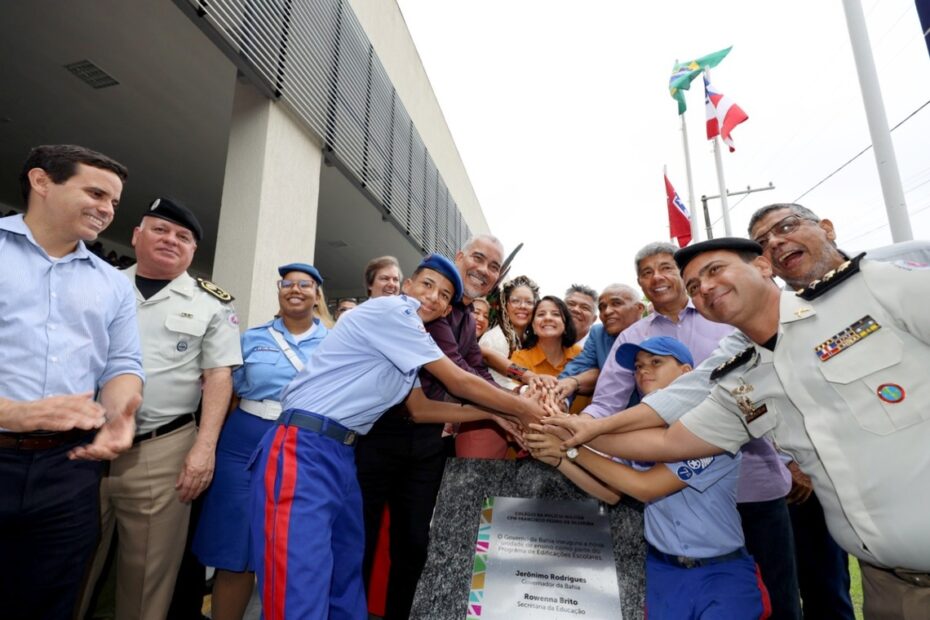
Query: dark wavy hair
569 336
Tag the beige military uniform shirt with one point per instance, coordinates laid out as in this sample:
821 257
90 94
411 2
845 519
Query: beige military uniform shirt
184 329
847 394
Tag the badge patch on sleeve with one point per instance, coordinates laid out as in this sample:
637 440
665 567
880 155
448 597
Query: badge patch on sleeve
866 326
694 467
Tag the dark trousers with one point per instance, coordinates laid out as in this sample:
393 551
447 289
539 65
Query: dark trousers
49 528
767 529
400 464
823 567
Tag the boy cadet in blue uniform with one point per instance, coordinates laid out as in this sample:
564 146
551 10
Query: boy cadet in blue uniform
696 562
307 516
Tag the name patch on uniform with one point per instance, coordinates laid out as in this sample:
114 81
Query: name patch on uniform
890 393
866 326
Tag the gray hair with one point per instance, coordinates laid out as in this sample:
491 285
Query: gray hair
582 289
625 290
658 247
487 237
801 212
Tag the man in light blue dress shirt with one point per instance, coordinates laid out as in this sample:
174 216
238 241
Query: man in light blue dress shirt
67 334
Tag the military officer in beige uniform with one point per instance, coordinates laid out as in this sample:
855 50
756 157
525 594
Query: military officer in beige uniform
190 343
844 392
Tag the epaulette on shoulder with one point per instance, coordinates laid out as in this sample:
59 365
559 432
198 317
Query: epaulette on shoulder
214 290
734 362
832 278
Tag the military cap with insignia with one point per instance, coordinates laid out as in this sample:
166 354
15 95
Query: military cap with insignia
736 244
173 211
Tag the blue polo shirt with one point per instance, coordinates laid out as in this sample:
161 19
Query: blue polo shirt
265 369
366 364
700 520
67 325
594 354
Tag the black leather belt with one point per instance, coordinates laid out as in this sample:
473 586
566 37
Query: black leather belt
164 429
41 441
319 424
686 562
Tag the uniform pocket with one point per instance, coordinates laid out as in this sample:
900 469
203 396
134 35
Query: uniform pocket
870 378
186 325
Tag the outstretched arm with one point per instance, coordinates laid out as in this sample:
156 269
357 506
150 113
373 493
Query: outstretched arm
471 388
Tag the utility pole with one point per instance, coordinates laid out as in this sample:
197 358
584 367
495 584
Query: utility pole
705 198
883 148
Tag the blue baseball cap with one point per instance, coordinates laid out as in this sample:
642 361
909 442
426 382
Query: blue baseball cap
310 270
658 345
445 267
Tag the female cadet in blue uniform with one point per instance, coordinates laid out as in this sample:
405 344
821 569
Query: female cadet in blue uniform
273 353
697 565
307 512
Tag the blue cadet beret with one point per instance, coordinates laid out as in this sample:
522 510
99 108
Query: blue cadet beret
686 254
658 345
172 211
310 270
444 266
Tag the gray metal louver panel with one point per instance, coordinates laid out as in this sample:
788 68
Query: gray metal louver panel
315 56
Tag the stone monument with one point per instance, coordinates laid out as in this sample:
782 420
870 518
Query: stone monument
444 587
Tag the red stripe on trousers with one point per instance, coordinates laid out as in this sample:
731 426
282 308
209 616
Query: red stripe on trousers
766 601
282 520
271 473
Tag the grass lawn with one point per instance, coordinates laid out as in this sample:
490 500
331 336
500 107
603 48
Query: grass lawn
855 586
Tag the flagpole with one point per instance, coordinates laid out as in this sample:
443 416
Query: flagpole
721 183
695 222
883 147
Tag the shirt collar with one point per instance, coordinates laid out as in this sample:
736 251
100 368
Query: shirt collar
687 310
16 224
183 284
535 355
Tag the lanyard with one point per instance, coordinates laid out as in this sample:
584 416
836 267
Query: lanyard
286 348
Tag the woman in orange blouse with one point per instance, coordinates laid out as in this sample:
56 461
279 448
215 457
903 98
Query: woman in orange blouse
550 339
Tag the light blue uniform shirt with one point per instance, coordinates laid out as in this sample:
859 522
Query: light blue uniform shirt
366 364
594 354
265 370
67 325
700 520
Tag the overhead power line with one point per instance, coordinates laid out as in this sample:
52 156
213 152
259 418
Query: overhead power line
859 154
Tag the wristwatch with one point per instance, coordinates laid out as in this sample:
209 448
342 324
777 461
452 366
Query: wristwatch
572 454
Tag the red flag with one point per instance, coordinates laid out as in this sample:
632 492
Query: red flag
723 115
679 221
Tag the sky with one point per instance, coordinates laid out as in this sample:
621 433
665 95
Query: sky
562 116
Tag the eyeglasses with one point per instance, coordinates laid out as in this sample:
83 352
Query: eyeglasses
303 284
781 228
521 303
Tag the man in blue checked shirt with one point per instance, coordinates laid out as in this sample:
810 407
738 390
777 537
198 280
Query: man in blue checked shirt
67 333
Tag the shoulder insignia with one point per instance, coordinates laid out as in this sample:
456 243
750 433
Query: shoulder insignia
830 279
734 362
214 290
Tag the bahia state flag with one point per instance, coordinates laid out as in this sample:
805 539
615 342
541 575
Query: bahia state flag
723 115
684 72
679 220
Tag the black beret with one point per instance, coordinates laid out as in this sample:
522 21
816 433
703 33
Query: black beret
737 244
172 211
